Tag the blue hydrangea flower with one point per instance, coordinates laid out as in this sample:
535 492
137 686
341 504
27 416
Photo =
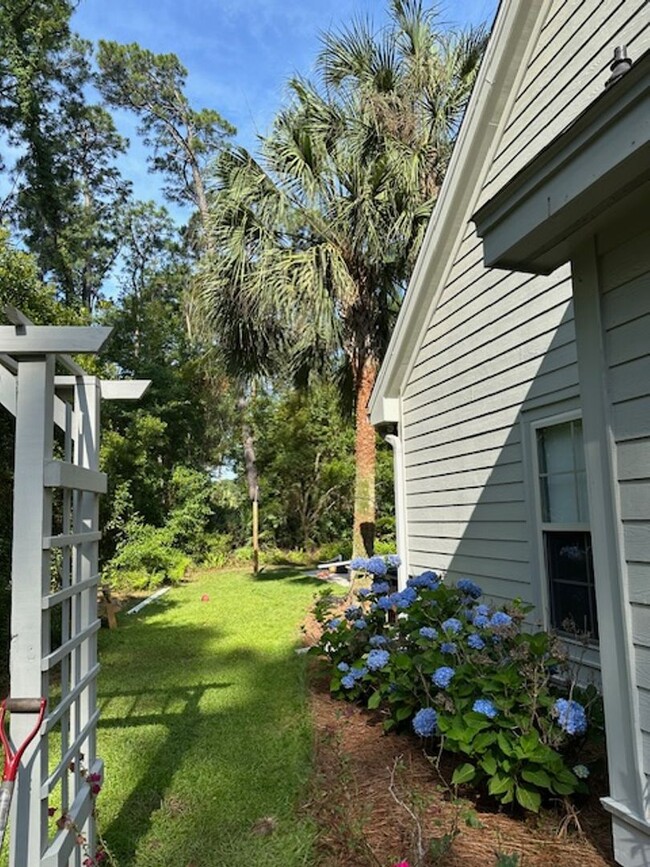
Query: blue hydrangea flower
364 592
378 659
425 722
500 618
481 621
571 716
469 588
343 666
360 623
385 603
358 673
358 563
448 647
483 610
453 625
425 581
442 676
405 598
475 641
378 641
376 566
394 560
348 682
581 771
334 624
352 612
486 707
380 587
428 632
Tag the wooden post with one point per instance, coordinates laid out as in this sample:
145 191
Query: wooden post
30 583
256 533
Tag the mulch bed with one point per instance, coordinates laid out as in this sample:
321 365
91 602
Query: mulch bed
361 824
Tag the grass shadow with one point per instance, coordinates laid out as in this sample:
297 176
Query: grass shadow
203 732
295 574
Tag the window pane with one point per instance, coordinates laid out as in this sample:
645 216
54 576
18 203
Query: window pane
570 609
567 557
562 473
570 572
561 498
556 448
578 445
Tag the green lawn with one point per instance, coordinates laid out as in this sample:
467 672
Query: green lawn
204 726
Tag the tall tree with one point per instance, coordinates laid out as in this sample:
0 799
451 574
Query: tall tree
183 139
68 193
314 242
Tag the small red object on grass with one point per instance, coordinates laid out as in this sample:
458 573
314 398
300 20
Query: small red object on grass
205 598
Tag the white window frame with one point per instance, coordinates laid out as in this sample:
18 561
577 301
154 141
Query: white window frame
588 655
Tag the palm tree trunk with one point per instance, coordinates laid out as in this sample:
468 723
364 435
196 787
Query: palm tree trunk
365 458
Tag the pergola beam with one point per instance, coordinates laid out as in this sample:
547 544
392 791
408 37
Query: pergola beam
52 339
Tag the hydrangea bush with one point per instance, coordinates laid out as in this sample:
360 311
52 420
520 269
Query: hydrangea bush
452 666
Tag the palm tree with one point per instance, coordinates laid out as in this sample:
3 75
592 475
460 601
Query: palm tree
315 240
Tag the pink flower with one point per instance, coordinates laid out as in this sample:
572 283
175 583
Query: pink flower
402 864
62 821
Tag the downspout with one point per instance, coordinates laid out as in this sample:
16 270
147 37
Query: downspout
400 508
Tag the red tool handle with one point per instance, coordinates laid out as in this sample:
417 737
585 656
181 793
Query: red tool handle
18 705
6 791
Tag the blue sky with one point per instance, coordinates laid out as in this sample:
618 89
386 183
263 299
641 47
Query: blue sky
238 53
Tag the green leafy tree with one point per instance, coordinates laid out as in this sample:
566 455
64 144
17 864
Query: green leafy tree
67 192
312 244
306 460
183 139
184 420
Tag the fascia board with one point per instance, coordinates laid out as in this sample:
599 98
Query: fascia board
513 37
569 187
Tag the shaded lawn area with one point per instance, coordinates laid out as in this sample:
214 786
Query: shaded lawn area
205 727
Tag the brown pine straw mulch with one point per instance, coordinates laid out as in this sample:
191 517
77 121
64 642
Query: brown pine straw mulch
361 824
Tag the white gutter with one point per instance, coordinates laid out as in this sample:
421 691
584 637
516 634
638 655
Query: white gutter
400 509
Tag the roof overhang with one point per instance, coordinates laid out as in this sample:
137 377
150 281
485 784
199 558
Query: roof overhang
575 186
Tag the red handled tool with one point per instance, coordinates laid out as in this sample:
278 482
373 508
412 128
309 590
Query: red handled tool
13 757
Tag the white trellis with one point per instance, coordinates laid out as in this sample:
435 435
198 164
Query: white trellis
56 530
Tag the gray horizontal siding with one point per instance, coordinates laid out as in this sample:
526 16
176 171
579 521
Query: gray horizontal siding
625 306
638 576
565 74
499 342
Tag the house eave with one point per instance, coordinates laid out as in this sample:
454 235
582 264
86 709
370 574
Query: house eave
576 185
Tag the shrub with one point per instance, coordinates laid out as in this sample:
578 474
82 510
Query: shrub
218 548
385 546
331 550
146 558
282 557
455 667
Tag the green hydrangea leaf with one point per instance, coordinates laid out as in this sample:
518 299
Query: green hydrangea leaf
463 774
